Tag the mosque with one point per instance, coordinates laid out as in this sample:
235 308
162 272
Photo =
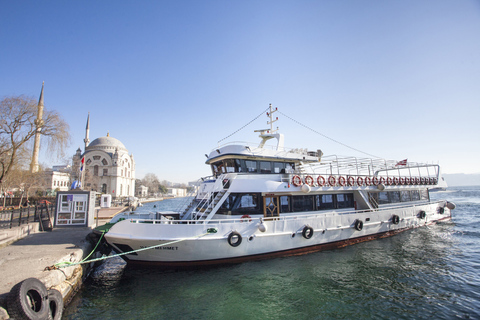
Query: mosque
105 166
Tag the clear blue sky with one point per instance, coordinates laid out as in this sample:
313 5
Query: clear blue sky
397 79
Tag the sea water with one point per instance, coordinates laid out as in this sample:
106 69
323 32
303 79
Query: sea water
432 272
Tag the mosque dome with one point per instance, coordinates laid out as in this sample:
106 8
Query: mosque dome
107 144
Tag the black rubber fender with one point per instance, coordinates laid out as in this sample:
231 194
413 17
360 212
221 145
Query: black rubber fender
234 239
28 300
358 225
395 219
307 232
422 214
55 304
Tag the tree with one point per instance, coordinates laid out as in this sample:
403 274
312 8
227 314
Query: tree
17 128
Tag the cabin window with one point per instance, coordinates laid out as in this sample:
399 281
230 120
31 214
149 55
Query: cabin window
424 194
394 196
405 196
324 202
238 165
251 165
415 195
382 197
279 167
265 167
345 201
302 203
229 165
284 204
240 204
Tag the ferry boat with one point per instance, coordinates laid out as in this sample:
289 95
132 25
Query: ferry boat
268 201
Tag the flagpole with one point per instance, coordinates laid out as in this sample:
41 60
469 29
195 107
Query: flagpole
82 172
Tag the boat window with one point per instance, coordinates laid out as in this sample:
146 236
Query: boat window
284 204
345 201
229 165
278 167
405 196
290 167
394 196
251 165
265 167
238 165
415 195
382 198
324 202
302 203
240 204
424 194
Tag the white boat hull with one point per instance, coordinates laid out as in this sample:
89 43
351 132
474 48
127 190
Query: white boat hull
188 243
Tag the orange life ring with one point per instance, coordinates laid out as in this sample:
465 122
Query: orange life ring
309 181
331 181
297 181
359 181
368 181
342 180
350 181
321 181
246 217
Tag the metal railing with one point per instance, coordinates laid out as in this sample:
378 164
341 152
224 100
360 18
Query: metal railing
16 217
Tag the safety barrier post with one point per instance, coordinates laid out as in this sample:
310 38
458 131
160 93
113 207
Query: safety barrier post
20 216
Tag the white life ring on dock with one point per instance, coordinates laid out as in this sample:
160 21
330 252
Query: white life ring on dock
321 181
297 181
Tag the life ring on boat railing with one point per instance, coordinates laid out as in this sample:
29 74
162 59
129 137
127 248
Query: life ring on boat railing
368 181
407 180
309 181
358 225
389 181
296 181
402 180
395 219
359 181
321 181
417 180
375 181
307 232
350 181
342 181
246 218
422 214
434 180
430 180
396 181
331 181
234 239
422 180
381 180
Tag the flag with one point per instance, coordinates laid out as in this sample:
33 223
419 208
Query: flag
401 163
82 163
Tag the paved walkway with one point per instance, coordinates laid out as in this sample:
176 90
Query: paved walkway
28 257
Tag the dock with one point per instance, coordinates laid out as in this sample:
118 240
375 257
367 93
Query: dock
26 252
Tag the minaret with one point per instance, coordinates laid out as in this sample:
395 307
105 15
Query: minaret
87 132
39 124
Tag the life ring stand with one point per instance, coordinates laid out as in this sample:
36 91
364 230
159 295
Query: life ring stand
307 232
234 239
297 181
321 181
358 225
309 181
331 181
395 219
246 217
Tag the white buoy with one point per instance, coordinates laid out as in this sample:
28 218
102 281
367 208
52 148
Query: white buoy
306 188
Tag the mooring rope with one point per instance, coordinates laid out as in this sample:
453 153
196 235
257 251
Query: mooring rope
65 264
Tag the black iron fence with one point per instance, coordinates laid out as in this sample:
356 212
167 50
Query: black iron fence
15 217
